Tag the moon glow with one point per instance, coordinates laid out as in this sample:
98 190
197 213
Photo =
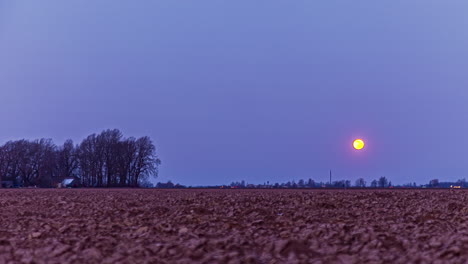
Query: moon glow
358 144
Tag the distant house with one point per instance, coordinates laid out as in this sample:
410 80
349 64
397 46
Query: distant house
69 183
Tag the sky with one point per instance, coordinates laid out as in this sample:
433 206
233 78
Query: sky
257 90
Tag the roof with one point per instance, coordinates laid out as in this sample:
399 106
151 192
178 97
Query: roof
67 181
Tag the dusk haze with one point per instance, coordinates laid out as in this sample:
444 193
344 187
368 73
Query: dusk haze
246 90
234 132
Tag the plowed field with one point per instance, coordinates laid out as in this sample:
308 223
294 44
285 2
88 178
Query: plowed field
233 226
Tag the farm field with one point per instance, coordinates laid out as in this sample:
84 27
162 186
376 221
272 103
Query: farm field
233 226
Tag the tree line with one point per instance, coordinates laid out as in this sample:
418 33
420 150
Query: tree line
381 182
107 159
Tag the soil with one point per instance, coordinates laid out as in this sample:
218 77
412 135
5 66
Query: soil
233 226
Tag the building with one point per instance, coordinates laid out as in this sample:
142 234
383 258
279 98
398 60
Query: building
69 183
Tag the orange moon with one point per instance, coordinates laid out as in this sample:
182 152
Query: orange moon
358 144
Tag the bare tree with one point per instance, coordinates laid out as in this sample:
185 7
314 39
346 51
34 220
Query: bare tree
310 183
301 183
3 164
434 183
86 162
383 182
91 161
360 183
347 183
11 169
126 158
46 158
67 161
109 141
36 161
103 160
146 162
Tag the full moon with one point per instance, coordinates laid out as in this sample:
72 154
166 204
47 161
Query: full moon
358 144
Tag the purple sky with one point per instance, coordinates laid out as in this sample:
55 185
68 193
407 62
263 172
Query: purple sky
253 90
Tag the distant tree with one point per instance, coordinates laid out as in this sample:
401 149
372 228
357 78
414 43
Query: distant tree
36 161
374 184
67 161
360 183
3 164
462 182
145 183
383 182
168 185
146 162
10 162
109 142
301 183
103 160
310 183
294 185
339 184
347 183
